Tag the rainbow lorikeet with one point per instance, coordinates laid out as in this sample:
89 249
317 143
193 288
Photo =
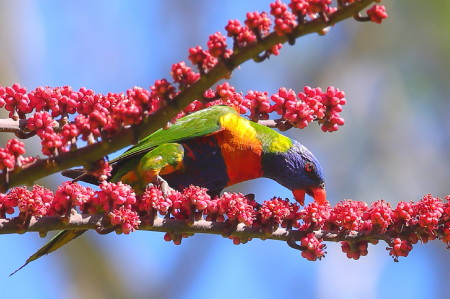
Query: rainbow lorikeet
212 148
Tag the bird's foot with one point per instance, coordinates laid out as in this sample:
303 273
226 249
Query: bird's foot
162 184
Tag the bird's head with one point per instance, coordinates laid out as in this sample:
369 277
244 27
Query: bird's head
298 170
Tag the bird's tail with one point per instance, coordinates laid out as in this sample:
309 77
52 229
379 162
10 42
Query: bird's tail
55 243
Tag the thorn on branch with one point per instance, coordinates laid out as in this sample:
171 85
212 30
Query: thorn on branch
279 124
104 231
291 39
229 65
325 17
358 17
66 218
261 57
324 31
4 181
24 135
232 225
291 242
25 224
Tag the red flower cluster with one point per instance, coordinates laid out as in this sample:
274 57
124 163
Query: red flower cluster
202 59
217 44
297 110
315 216
71 195
285 21
15 100
424 220
377 13
313 8
276 210
189 204
36 202
11 156
428 212
399 248
311 104
103 115
354 250
128 220
381 215
98 115
237 208
153 200
258 23
351 215
183 75
114 195
313 248
401 227
259 105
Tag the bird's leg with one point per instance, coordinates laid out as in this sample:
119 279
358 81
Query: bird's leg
162 184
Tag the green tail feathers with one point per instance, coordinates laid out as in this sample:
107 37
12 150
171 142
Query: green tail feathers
55 243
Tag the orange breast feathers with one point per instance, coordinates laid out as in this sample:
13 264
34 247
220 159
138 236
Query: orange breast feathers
240 148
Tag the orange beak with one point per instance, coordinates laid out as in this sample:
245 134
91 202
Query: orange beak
319 195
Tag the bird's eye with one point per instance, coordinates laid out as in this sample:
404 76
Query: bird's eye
309 167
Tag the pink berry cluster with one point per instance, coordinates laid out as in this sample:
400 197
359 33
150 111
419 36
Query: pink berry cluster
47 111
99 116
296 110
286 17
404 226
312 248
11 155
377 13
425 220
311 104
409 222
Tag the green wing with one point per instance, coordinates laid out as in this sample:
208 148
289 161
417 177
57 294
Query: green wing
197 124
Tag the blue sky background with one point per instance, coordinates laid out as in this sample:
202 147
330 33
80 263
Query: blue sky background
394 145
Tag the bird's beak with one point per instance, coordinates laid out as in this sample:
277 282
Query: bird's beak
319 194
299 196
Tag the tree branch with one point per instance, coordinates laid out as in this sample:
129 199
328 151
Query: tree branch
9 125
100 221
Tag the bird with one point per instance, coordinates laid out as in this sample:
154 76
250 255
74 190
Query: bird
212 148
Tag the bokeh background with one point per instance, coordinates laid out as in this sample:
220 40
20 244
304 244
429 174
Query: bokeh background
394 146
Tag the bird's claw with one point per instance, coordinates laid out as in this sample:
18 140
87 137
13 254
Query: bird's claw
162 184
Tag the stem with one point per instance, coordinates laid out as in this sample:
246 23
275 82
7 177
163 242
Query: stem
86 221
